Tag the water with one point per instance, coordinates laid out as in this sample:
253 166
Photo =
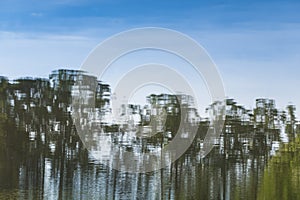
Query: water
51 163
43 157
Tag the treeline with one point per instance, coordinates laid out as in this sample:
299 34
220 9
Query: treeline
28 100
37 133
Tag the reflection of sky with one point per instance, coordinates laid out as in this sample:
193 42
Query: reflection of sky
135 59
255 44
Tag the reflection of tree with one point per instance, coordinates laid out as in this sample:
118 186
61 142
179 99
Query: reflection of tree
11 149
291 119
39 146
165 109
281 177
4 104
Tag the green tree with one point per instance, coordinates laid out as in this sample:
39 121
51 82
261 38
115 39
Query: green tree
281 177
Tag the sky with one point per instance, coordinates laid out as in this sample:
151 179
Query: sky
255 44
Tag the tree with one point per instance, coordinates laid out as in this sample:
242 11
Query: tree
291 119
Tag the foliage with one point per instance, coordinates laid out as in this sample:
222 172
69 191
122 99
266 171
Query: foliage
281 178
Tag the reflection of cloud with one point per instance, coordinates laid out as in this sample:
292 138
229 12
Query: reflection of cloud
36 55
256 62
74 2
253 62
36 14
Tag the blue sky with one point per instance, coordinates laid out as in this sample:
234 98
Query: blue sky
255 44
